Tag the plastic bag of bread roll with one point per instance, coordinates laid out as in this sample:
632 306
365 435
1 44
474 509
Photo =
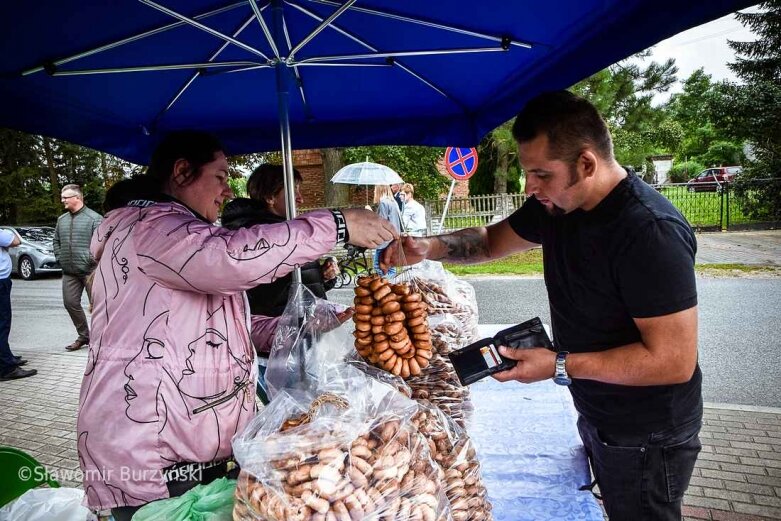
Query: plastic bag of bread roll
439 382
446 293
348 452
452 449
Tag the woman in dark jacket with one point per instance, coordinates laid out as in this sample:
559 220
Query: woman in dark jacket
266 205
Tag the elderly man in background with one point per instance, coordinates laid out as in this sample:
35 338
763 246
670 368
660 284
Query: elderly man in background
71 248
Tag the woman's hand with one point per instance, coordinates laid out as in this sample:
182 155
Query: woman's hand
329 270
367 229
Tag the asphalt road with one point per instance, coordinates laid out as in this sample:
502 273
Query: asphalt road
740 318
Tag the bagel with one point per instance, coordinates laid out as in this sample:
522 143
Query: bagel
401 289
393 328
380 293
391 307
364 282
363 292
362 310
377 284
395 317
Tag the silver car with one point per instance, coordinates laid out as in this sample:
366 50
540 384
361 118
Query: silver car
35 254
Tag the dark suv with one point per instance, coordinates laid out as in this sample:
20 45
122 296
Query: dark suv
713 179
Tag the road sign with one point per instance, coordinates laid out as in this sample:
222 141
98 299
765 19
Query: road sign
461 163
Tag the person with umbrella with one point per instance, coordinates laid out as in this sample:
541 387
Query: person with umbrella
170 369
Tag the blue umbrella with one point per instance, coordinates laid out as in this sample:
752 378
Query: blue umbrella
117 75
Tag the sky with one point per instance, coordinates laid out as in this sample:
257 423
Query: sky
703 46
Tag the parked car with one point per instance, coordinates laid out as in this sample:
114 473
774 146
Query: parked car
713 179
35 254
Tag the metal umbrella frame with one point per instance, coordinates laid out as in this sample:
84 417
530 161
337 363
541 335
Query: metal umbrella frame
583 50
277 37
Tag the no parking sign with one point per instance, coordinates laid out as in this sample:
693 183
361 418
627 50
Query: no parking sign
461 163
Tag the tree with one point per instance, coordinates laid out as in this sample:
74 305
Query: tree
335 194
623 94
752 111
498 170
704 140
33 169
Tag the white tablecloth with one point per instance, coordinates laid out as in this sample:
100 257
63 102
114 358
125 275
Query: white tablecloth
532 458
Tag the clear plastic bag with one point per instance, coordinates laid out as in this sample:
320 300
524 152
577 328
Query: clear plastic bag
308 339
454 452
348 451
45 504
446 294
439 382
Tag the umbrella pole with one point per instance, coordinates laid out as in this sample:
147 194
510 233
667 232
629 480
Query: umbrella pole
283 109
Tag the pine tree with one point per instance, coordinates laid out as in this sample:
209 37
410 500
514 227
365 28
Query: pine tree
753 110
760 61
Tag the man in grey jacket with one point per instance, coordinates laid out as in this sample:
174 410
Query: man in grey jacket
72 238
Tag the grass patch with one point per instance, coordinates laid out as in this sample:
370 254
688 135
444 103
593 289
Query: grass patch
527 263
732 269
530 263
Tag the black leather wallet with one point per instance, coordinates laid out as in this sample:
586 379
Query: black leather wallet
480 359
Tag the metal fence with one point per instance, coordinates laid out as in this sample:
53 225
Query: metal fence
466 212
751 204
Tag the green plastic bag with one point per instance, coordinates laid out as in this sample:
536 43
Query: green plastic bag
212 502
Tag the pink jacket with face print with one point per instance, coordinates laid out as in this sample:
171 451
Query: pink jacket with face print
170 375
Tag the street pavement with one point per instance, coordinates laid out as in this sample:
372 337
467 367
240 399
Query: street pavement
738 473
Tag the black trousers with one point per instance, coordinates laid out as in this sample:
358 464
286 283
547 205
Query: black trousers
643 476
7 361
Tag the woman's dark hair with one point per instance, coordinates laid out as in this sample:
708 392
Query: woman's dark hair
138 187
196 147
266 181
570 123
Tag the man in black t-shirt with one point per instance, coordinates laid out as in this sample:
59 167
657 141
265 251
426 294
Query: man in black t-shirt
619 269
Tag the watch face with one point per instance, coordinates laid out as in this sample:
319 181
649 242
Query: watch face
562 380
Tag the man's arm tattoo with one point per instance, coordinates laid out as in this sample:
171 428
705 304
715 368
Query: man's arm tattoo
465 246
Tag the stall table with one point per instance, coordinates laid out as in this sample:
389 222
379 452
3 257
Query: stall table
533 461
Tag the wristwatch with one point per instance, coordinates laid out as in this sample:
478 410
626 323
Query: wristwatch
560 376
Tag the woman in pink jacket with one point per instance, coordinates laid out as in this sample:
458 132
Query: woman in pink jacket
170 376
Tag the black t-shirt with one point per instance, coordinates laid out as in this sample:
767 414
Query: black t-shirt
630 256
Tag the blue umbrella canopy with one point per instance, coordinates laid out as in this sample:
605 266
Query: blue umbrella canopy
117 75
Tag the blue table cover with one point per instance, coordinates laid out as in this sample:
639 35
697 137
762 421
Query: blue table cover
533 461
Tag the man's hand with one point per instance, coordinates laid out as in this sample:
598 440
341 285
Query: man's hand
413 250
533 365
367 229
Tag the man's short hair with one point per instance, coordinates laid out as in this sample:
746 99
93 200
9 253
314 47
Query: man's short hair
570 122
73 188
